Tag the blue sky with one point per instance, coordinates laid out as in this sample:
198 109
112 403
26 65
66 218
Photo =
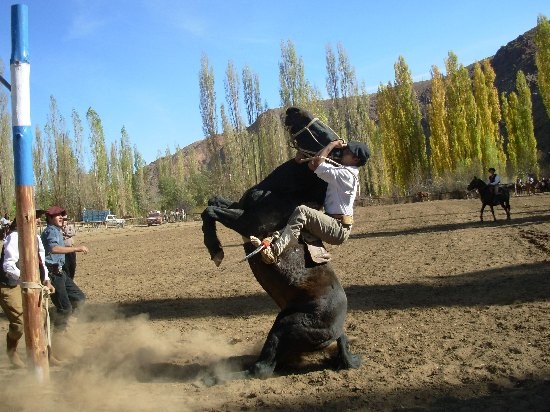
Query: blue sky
137 62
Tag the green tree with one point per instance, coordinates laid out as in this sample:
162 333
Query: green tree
83 192
209 120
440 158
125 162
114 181
41 192
522 145
251 94
99 161
7 181
141 201
62 162
542 58
457 94
487 104
294 89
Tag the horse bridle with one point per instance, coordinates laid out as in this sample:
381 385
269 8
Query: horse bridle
294 145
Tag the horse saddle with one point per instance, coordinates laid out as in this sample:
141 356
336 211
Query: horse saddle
315 248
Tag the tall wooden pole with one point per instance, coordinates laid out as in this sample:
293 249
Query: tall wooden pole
24 193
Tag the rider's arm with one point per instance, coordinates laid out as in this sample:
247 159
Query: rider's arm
324 152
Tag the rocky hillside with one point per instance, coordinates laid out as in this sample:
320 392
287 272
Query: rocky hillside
519 54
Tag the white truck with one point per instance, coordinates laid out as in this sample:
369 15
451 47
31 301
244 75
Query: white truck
112 220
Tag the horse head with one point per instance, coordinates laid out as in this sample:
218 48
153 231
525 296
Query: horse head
308 134
476 183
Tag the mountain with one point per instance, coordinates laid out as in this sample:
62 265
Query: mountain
519 54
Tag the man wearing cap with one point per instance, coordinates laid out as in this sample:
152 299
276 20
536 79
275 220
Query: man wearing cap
332 226
67 295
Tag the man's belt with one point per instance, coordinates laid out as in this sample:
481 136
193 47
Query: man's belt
346 220
55 269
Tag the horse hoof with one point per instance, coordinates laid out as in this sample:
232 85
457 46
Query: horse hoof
218 257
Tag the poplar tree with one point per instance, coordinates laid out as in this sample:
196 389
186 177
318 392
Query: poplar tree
83 192
251 94
412 138
99 160
333 89
61 161
458 95
125 162
522 144
294 89
141 202
509 115
542 59
486 97
7 181
390 140
440 158
232 96
114 200
348 89
209 120
40 170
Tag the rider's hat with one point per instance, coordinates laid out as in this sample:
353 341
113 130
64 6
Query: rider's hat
359 150
492 169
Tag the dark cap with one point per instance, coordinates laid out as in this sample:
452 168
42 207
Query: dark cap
491 169
360 150
39 213
55 211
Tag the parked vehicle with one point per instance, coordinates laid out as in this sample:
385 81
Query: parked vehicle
112 220
94 216
154 218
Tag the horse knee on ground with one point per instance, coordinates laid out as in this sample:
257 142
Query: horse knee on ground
345 359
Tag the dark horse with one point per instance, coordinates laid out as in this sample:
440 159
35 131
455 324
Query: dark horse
487 198
313 304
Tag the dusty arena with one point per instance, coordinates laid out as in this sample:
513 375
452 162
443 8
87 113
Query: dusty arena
449 314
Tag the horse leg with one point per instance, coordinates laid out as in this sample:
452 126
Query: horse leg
345 359
481 212
493 212
506 206
210 216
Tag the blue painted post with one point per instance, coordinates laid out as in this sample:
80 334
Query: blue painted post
31 289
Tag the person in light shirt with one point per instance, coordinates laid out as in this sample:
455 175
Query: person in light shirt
332 226
10 292
493 181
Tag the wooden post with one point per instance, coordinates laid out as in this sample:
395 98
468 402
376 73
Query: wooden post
24 193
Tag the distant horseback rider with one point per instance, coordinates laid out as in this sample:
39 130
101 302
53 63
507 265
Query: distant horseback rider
494 181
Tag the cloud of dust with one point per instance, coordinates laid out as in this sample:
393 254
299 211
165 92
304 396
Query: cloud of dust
113 363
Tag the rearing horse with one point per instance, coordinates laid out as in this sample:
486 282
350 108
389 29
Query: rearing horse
488 198
312 302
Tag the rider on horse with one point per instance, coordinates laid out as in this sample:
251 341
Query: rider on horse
494 181
333 225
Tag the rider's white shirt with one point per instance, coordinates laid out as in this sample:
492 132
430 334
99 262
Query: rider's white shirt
495 182
342 187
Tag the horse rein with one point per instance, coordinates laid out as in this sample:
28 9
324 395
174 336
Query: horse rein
306 127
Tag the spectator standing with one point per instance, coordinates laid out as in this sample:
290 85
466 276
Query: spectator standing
10 292
68 296
4 225
69 232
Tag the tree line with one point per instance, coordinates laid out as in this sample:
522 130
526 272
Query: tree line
466 128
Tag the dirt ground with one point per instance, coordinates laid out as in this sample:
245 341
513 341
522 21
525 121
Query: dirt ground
449 314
